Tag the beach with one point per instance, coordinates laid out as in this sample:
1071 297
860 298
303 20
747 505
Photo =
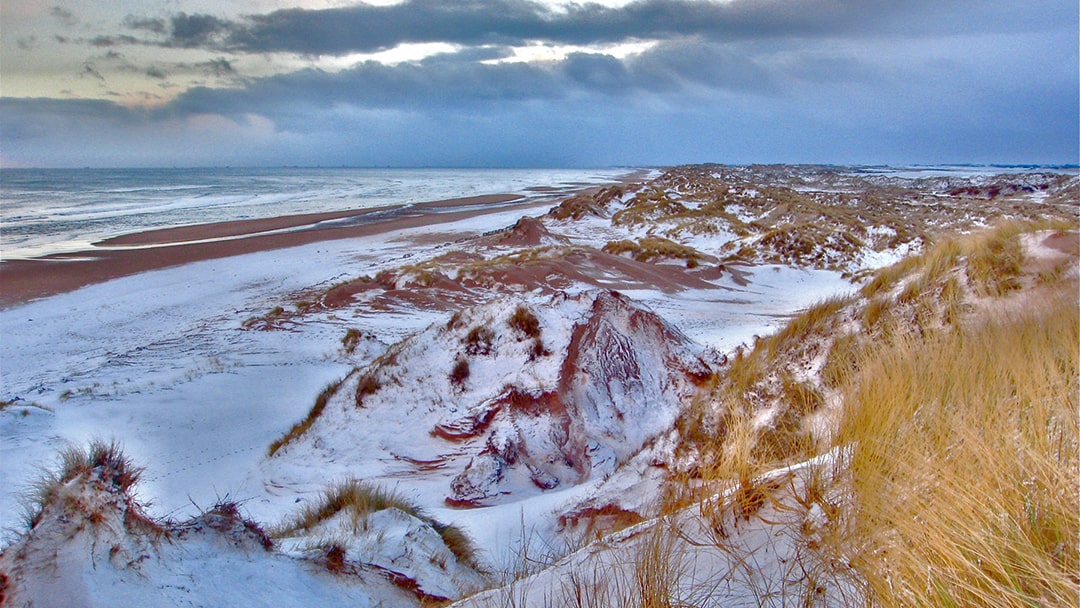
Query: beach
25 280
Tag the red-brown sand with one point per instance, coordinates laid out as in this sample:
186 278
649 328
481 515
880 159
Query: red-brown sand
24 280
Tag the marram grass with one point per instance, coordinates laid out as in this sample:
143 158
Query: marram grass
965 464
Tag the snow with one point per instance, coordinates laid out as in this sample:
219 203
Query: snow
161 362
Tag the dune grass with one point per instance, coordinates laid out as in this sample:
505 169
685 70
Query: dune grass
965 466
359 499
302 427
655 248
105 461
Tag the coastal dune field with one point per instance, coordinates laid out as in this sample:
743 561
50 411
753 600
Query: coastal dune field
628 387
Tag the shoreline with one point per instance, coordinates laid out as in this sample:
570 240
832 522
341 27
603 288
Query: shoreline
25 280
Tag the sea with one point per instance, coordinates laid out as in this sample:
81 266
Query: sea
52 211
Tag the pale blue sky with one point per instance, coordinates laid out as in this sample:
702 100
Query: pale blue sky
525 83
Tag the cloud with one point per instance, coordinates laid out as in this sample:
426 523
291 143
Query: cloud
367 28
156 26
739 81
189 31
89 69
64 16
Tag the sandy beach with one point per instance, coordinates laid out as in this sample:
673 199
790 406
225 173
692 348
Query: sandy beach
25 280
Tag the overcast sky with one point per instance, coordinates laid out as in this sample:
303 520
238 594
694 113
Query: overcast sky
531 83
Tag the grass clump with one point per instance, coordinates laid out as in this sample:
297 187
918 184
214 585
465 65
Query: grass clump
994 262
351 340
460 372
479 341
525 322
966 464
814 320
653 248
367 385
358 500
354 497
301 427
104 462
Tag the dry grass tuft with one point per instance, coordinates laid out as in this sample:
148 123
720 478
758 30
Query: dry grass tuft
358 500
479 341
102 462
302 427
653 248
460 372
367 385
351 340
525 322
354 497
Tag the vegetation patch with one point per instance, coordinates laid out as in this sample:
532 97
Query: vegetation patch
358 500
479 341
524 322
351 340
966 464
654 248
368 384
301 427
460 372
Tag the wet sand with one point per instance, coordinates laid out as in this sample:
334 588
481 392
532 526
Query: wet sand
25 280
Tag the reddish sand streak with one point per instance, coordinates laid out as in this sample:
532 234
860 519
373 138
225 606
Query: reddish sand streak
24 280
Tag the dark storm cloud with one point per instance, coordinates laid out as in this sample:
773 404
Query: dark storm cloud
219 68
459 81
366 28
741 81
110 41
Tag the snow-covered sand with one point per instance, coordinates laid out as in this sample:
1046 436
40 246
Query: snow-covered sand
169 364
159 360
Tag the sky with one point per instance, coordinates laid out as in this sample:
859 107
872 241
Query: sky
528 83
